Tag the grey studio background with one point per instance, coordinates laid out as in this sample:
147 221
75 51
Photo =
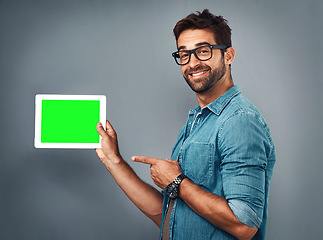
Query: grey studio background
123 49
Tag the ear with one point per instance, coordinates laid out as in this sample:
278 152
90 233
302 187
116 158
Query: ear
229 55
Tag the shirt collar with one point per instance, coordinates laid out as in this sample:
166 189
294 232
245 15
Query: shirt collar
220 103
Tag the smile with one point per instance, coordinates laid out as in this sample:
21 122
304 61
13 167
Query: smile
198 73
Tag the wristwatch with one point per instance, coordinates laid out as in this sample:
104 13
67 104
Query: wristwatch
172 190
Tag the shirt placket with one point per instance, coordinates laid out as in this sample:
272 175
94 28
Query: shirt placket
192 124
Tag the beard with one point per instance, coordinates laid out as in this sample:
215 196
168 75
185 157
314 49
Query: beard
204 84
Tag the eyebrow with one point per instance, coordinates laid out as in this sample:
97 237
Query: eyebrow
197 45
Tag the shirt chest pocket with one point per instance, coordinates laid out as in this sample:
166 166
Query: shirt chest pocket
198 161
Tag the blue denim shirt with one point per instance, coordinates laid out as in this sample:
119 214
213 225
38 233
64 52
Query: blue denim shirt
226 149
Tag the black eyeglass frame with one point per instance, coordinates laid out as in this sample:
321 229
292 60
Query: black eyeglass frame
176 54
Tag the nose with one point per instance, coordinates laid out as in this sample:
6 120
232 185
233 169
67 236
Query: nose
193 61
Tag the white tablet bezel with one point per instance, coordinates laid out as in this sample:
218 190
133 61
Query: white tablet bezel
38 111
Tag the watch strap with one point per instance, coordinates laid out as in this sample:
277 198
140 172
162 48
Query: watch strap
179 179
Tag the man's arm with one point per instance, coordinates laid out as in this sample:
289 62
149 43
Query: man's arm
215 209
210 206
144 196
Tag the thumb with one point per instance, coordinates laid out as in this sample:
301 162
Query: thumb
170 160
106 133
110 130
100 129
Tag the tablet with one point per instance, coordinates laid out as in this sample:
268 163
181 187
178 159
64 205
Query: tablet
68 121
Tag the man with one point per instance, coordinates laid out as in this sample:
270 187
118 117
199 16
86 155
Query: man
216 183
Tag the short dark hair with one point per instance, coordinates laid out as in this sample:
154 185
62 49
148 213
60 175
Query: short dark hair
206 20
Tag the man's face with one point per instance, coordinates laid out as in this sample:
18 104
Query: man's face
201 76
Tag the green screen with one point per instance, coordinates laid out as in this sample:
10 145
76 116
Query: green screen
70 121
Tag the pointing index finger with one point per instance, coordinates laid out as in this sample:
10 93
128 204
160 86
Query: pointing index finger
144 159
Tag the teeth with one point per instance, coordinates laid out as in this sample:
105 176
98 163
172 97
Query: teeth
197 74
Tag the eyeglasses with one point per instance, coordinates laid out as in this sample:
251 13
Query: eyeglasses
202 53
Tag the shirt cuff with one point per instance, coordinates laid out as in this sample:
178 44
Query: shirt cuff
244 213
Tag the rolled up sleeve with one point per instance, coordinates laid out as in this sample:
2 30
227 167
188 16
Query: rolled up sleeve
242 143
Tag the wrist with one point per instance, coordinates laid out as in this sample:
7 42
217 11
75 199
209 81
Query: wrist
113 162
183 186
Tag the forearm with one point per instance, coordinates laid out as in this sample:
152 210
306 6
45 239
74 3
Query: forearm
144 196
215 209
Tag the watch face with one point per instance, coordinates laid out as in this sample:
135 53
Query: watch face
172 190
